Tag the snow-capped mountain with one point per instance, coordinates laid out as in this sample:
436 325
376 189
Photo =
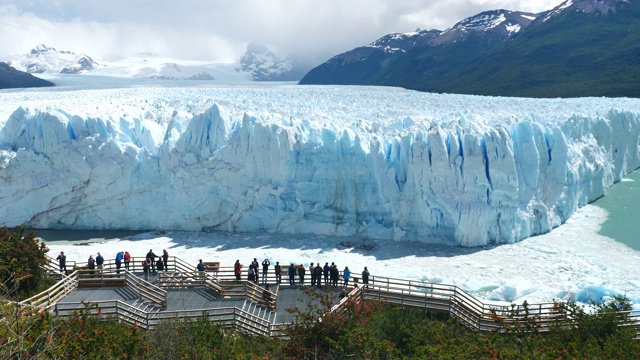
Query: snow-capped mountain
363 65
264 65
579 48
496 24
44 59
583 6
82 64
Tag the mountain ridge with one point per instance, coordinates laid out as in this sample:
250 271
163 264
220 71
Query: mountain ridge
579 48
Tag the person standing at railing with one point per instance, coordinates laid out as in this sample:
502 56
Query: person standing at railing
91 264
99 261
152 259
335 274
237 270
146 266
200 267
127 259
365 276
292 275
318 272
325 272
278 270
312 273
119 258
165 259
301 271
346 275
62 262
265 268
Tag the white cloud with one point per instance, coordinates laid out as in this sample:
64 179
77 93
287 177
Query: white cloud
220 30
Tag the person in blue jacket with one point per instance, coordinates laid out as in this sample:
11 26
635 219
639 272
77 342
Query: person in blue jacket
346 275
119 257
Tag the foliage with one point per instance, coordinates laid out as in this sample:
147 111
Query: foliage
357 330
22 261
203 339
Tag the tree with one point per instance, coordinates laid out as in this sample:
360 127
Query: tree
22 261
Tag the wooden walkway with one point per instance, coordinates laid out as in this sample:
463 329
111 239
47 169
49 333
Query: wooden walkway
259 309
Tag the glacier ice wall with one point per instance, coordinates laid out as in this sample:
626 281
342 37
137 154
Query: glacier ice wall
334 162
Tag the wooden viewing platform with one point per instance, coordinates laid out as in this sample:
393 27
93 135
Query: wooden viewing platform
184 293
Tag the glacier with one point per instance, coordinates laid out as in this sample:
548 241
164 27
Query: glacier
377 163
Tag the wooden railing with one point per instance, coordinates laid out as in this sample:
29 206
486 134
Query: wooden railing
146 290
451 299
231 317
190 279
261 296
54 294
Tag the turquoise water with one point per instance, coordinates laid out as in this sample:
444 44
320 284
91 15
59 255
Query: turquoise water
622 201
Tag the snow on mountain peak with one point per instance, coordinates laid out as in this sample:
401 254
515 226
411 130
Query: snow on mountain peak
586 6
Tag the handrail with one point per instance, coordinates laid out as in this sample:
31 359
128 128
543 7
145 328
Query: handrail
147 290
50 296
472 312
261 296
127 313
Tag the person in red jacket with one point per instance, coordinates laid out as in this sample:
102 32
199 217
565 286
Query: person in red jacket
127 259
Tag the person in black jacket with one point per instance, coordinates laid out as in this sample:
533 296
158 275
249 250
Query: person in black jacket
278 270
62 262
152 258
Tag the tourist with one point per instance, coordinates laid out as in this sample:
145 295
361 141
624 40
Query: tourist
146 266
119 258
312 273
152 259
265 268
325 271
301 271
254 264
365 276
346 275
237 270
165 259
335 274
91 264
318 272
200 267
278 270
127 259
62 262
251 274
292 275
160 265
99 261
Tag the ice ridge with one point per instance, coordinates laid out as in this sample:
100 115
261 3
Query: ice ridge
454 182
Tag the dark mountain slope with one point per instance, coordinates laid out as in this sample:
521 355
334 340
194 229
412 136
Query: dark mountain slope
575 53
12 78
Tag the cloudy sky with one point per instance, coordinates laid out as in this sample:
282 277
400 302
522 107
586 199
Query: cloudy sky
219 30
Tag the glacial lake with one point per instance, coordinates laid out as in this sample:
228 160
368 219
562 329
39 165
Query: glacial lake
622 202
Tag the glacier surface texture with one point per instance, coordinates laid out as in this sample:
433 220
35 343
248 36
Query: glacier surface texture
348 161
